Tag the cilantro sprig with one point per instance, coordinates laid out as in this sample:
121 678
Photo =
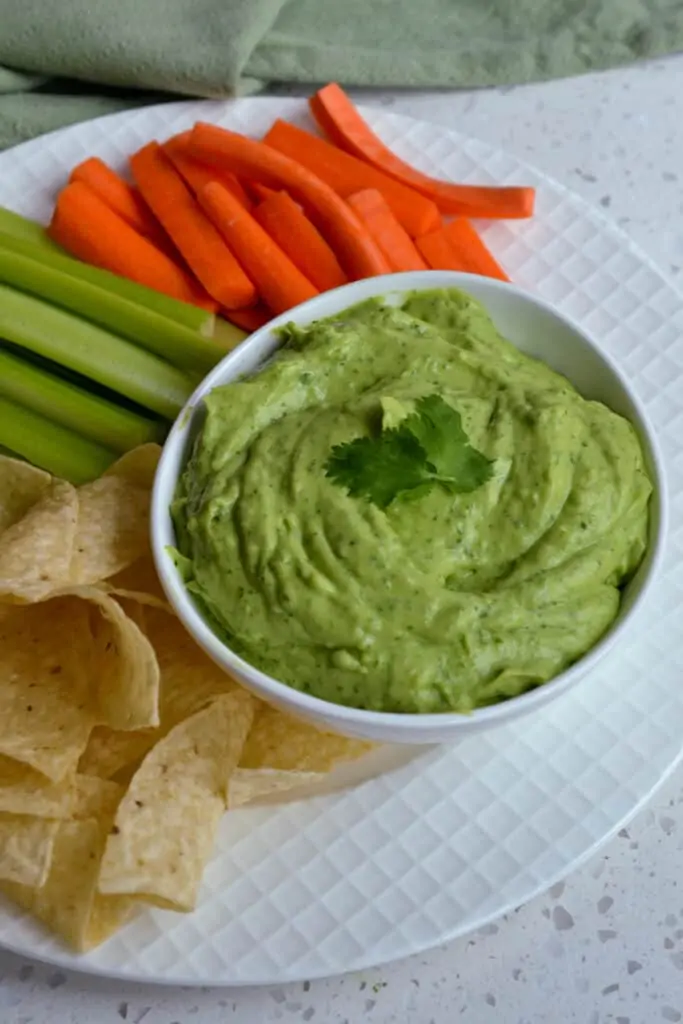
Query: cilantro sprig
429 448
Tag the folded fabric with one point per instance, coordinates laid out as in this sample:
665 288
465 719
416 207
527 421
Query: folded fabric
67 61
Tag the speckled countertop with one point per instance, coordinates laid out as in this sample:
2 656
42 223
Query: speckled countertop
607 944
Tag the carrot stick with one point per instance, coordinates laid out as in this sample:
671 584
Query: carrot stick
197 239
290 228
251 160
249 319
471 249
345 174
279 282
196 174
260 192
339 119
122 198
88 229
439 253
391 237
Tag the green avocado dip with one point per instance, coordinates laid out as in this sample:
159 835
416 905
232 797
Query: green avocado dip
450 596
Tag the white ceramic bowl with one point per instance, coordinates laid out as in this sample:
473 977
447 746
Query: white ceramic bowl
536 329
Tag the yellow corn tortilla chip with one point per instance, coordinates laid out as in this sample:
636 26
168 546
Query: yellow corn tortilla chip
250 784
36 550
21 486
46 712
138 465
25 791
26 846
68 901
125 671
189 679
111 528
138 582
95 798
54 535
281 742
67 664
109 752
165 825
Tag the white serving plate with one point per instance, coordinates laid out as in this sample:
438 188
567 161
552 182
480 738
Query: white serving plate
439 846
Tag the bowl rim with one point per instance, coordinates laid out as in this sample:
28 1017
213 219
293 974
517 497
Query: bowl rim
172 460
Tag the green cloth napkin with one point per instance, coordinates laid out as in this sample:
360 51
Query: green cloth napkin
69 60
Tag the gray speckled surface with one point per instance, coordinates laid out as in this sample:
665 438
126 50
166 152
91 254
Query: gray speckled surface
607 944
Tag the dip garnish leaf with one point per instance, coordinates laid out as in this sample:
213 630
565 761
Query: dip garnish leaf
379 468
438 428
429 448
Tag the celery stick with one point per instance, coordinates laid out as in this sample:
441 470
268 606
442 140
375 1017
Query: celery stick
72 407
227 336
51 447
28 230
93 352
186 349
173 309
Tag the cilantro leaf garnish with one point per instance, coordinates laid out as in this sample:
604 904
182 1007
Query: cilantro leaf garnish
379 468
428 448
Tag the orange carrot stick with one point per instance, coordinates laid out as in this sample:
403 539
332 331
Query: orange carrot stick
290 228
251 160
87 228
439 253
345 174
260 192
197 239
279 282
391 237
196 174
122 198
249 319
472 250
339 119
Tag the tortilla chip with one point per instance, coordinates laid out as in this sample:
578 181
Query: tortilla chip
165 825
138 582
189 679
68 901
67 664
111 529
45 703
109 752
250 784
138 466
36 551
54 536
284 743
25 791
95 798
26 846
124 667
21 486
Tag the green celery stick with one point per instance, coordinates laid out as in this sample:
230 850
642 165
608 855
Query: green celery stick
47 252
64 403
29 230
51 447
93 352
180 346
227 336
